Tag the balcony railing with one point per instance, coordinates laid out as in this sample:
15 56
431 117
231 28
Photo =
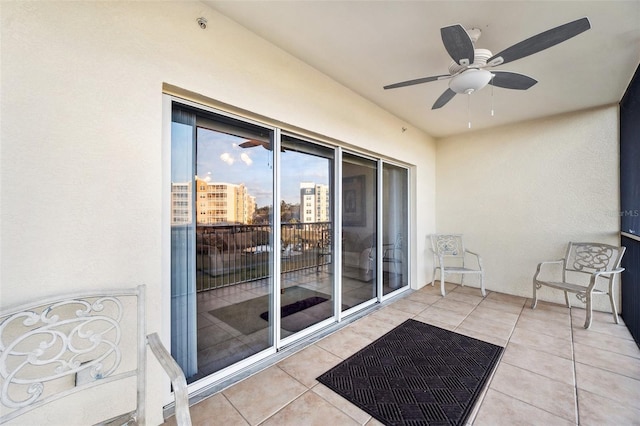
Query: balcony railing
232 254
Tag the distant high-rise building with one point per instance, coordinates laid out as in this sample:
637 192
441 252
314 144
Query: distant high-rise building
181 203
314 202
219 202
216 202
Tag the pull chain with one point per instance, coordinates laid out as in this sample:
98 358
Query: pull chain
469 109
493 75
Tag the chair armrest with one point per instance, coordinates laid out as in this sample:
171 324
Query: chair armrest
541 264
613 271
176 375
477 257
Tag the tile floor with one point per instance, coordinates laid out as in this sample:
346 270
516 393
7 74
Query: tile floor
553 372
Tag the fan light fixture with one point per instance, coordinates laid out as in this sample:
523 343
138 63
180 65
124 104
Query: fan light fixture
470 81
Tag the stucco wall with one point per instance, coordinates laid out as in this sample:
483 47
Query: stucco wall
520 193
82 135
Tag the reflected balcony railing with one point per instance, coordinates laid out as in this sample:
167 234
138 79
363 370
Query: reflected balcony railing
233 254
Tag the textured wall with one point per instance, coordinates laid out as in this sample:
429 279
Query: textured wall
520 193
82 137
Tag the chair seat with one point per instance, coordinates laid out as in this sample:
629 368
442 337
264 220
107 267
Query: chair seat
461 270
571 287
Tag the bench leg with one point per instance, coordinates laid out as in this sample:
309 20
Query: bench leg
587 321
484 293
613 304
566 299
534 302
441 282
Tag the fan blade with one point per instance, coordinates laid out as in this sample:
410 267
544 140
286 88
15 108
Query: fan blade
458 44
417 81
511 80
542 41
443 99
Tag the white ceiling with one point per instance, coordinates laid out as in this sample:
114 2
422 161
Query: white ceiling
366 45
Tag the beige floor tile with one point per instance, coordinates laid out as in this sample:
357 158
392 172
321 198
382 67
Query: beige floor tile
542 342
436 323
481 336
473 289
248 396
597 411
550 306
424 297
506 298
549 327
454 306
603 326
215 410
391 315
606 342
310 410
499 409
308 364
606 360
486 326
513 308
374 422
339 402
543 363
409 306
610 385
444 316
547 315
344 343
550 395
470 298
371 327
489 314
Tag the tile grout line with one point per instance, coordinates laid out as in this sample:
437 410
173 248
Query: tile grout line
575 374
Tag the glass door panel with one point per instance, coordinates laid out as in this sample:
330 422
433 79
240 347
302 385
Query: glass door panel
306 257
359 228
231 254
395 229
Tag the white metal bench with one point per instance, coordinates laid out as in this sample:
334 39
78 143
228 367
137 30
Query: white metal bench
583 267
85 347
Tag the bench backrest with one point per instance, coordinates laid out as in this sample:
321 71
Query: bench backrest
65 345
592 257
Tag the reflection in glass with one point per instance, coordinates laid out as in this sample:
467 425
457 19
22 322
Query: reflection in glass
395 228
306 286
231 256
359 221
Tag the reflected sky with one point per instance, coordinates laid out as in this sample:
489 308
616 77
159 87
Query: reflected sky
221 159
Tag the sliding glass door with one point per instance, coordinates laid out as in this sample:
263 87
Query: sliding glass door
222 245
395 228
262 252
359 229
307 250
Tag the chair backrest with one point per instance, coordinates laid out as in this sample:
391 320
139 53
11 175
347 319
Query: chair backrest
592 257
55 348
447 245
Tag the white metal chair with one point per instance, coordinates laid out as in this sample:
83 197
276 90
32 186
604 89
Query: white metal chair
583 267
71 344
450 257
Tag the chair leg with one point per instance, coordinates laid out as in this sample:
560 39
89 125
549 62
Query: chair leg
534 302
587 321
484 293
566 299
434 276
442 282
613 304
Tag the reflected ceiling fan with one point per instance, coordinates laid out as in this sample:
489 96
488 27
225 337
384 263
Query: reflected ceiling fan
251 143
468 70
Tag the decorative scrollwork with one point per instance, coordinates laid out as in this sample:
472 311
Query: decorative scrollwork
448 245
60 340
581 297
593 257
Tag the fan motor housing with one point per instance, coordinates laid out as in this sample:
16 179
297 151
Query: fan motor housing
480 59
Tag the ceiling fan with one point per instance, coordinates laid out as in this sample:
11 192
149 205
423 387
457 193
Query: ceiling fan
468 72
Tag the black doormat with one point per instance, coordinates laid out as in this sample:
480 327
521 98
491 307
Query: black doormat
416 374
294 307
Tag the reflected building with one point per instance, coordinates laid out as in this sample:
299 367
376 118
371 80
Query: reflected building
314 202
